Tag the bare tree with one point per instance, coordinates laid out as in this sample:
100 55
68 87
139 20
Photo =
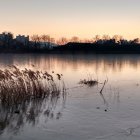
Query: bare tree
43 38
136 41
106 37
52 40
74 39
117 38
97 37
36 38
62 41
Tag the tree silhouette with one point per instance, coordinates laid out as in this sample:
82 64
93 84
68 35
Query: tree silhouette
74 39
36 38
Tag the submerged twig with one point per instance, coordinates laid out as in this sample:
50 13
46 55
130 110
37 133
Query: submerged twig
101 94
103 86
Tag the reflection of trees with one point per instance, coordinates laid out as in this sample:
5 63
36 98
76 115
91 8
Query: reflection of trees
114 62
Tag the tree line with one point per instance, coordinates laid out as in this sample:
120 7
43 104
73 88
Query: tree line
97 44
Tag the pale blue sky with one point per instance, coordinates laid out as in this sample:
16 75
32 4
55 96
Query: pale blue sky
84 18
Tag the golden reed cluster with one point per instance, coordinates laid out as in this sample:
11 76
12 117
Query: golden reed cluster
17 86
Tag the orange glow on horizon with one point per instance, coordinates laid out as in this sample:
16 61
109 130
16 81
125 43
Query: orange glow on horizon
83 30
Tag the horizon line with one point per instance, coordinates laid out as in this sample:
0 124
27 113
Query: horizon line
63 36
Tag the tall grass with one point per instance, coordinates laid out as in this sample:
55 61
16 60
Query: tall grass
18 85
26 94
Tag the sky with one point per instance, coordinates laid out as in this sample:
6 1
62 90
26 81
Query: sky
67 18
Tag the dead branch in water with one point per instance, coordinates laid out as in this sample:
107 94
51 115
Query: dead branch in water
103 86
101 94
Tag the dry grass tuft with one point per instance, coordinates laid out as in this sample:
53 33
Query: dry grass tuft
89 83
17 86
25 95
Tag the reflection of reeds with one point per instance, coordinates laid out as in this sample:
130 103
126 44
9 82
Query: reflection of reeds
26 94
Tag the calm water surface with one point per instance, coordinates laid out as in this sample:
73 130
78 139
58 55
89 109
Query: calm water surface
85 114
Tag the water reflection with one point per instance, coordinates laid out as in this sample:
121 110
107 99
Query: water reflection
31 112
106 62
85 115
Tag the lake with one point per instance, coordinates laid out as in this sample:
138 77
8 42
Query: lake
85 114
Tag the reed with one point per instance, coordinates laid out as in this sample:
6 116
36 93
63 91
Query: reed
26 95
17 86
